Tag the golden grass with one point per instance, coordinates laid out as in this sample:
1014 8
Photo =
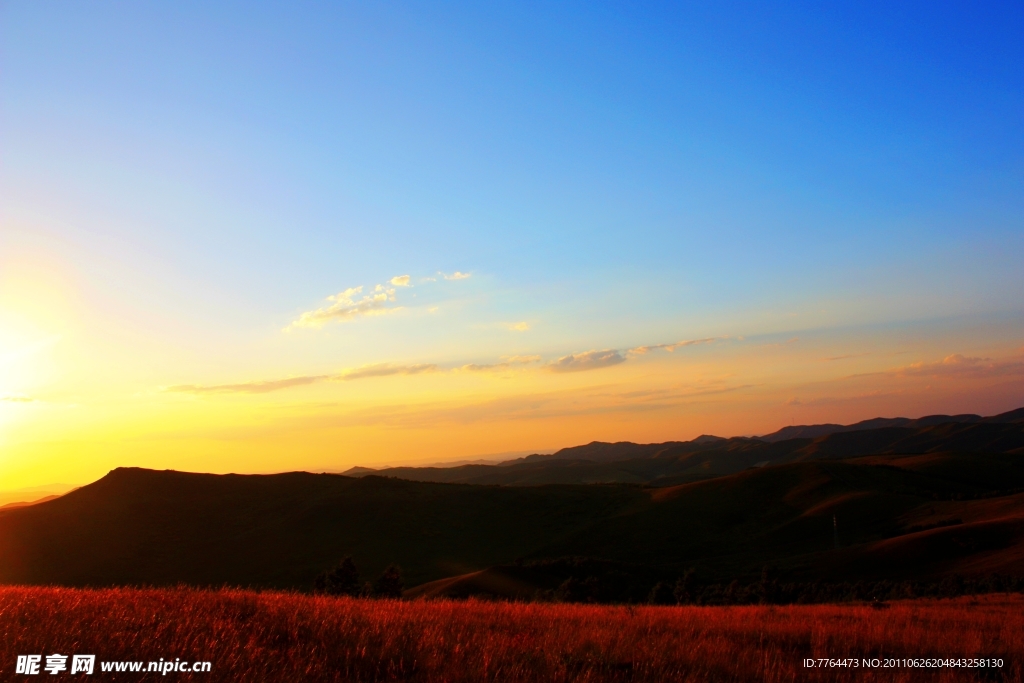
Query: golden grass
271 636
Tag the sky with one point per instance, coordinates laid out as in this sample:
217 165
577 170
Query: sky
261 237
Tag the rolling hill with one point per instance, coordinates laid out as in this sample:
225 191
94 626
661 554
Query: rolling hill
898 515
706 457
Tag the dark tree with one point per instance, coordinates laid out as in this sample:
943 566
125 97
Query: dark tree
576 590
661 594
570 590
389 585
683 592
731 595
342 580
769 587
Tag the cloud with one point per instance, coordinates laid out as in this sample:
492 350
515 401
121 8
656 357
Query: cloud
351 303
837 400
384 370
247 387
849 355
517 327
520 359
958 365
17 399
346 307
378 370
641 350
588 360
546 406
508 362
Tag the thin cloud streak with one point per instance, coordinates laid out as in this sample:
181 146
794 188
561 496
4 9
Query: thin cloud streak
384 370
588 360
574 362
849 355
523 407
246 387
839 400
957 365
364 372
641 350
954 366
507 364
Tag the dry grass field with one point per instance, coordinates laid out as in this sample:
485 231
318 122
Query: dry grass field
273 636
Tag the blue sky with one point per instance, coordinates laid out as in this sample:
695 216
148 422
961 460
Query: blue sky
189 178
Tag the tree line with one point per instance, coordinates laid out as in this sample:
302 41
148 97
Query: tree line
344 580
686 590
595 582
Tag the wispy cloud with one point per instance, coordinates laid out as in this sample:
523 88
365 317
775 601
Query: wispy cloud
574 362
384 370
588 360
263 387
561 404
17 399
517 327
345 306
351 303
839 400
957 365
247 387
849 355
641 350
508 362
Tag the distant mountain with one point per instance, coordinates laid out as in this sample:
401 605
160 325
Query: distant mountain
28 502
706 457
33 494
814 431
922 499
898 516
708 438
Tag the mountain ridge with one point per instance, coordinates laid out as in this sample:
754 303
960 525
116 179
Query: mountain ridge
920 502
673 462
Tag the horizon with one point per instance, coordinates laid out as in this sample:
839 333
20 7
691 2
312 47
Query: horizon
61 489
253 239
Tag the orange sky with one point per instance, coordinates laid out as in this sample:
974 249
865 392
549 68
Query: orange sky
82 397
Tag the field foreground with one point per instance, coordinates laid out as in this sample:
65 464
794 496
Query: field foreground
250 636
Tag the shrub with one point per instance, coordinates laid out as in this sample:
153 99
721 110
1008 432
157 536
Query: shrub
342 580
389 585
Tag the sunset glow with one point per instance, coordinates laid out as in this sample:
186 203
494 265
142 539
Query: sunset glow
456 237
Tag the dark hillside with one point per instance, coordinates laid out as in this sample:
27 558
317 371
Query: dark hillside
139 526
146 527
673 463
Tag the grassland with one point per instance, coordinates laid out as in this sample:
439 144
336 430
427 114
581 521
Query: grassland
274 636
